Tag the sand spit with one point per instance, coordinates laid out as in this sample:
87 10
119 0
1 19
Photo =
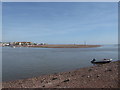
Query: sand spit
99 76
64 46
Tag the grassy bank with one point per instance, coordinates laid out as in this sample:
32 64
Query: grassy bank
100 76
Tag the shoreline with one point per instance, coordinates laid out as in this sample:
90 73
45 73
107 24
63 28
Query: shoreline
100 76
59 46
65 46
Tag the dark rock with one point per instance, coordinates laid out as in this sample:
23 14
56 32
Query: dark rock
41 81
90 70
82 75
72 75
98 76
66 80
54 78
20 83
109 70
58 85
43 86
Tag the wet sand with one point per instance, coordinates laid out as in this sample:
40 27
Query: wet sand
98 76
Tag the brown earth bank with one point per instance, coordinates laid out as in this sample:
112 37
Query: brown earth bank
64 46
98 76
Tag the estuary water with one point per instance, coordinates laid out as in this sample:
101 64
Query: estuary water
21 63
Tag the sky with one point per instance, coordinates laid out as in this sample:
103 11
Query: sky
60 22
0 21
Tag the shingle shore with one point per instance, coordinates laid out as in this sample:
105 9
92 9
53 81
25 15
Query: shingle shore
100 76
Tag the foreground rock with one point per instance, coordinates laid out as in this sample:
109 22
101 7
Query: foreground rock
100 76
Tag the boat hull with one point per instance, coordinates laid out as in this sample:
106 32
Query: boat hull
100 62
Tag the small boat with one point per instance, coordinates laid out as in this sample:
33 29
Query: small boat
101 62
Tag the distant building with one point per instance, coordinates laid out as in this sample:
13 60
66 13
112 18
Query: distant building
4 43
22 43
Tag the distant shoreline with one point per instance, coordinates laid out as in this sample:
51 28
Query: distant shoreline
60 46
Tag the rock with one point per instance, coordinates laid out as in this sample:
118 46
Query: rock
66 80
88 76
108 70
72 75
90 70
82 75
54 78
98 76
43 86
41 81
19 82
58 85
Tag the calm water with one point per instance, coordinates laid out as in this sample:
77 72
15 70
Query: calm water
20 63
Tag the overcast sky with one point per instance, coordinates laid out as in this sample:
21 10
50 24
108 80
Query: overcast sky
61 23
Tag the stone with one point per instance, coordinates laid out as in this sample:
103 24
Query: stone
66 80
54 78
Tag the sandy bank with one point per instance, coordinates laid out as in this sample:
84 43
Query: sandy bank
65 46
100 76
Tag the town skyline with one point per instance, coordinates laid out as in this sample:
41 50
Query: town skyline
61 23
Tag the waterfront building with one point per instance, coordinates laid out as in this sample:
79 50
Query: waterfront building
22 43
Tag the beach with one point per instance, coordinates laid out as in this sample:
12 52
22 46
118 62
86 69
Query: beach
98 76
62 46
56 44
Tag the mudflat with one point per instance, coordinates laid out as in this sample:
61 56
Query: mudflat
98 76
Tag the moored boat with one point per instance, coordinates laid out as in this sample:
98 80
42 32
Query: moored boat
94 61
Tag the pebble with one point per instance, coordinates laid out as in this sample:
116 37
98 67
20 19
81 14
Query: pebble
98 75
66 80
58 85
41 81
43 86
82 75
54 78
90 70
108 70
88 76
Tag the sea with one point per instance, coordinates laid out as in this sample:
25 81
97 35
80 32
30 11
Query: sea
23 62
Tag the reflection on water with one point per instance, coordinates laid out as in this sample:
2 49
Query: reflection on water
19 63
